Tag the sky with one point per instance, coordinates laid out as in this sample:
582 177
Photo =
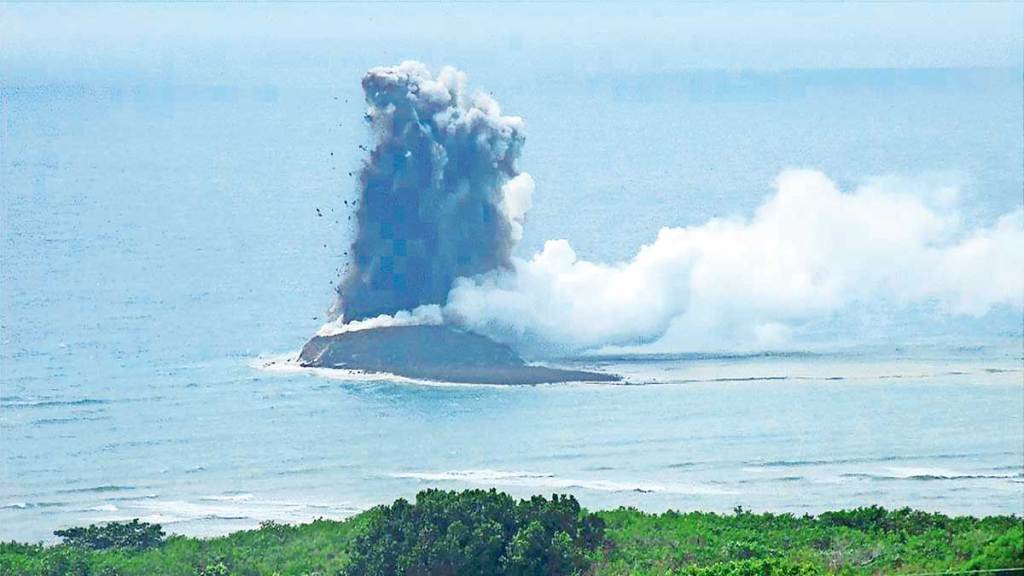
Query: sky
201 42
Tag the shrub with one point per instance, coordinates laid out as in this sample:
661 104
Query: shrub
132 535
1007 550
477 532
767 567
878 519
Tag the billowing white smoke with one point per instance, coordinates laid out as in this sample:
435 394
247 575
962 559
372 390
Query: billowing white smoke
809 251
516 200
426 315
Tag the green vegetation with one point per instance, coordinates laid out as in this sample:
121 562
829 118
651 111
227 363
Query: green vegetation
485 533
862 541
132 535
480 532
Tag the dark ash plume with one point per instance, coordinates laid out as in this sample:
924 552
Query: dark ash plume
440 195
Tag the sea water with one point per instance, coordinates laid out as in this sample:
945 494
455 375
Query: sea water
162 257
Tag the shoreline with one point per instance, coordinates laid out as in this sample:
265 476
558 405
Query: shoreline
217 526
617 541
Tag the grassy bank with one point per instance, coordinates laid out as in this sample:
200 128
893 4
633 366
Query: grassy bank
486 532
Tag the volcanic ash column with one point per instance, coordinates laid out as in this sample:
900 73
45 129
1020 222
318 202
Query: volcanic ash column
439 198
432 201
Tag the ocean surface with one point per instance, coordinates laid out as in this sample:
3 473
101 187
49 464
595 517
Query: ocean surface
162 257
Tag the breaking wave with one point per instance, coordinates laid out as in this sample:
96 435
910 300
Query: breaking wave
551 481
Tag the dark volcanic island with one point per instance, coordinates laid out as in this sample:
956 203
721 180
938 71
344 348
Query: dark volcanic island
440 198
434 353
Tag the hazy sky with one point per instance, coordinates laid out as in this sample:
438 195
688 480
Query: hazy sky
204 42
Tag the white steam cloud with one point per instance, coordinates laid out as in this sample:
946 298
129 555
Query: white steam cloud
426 315
809 251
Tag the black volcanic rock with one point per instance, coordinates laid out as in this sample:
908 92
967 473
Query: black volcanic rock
434 353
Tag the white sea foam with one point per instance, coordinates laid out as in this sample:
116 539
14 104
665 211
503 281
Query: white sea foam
288 364
228 498
231 507
542 480
920 472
